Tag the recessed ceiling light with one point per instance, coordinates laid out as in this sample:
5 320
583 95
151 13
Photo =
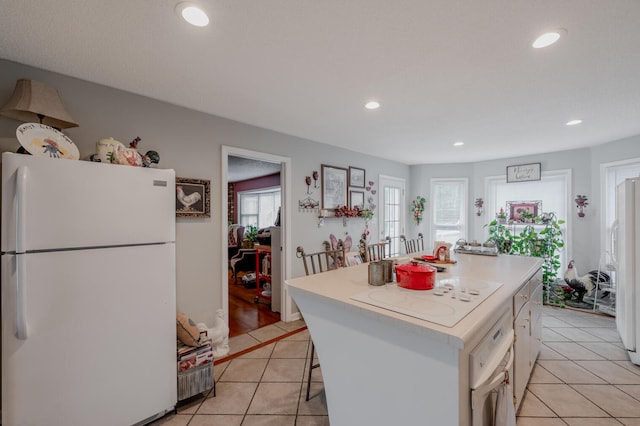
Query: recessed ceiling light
574 122
546 39
372 105
459 143
192 14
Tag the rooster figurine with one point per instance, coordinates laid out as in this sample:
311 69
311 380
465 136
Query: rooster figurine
585 284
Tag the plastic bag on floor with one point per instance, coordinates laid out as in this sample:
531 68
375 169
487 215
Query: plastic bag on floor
505 413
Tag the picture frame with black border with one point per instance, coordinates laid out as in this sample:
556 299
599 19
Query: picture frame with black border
357 177
334 187
193 197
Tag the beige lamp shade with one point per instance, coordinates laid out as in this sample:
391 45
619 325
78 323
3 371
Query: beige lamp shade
33 101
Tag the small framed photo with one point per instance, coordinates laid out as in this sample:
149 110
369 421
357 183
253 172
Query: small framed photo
523 172
356 177
334 187
356 199
193 198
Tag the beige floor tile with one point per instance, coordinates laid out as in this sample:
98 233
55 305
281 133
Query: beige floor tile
269 420
317 404
629 422
633 390
549 335
218 369
291 326
540 375
275 398
573 351
547 353
232 398
606 334
263 352
242 342
532 407
549 321
312 421
284 370
216 420
539 421
291 349
303 335
267 333
628 365
608 350
578 334
611 399
565 401
244 370
570 372
590 422
172 420
611 372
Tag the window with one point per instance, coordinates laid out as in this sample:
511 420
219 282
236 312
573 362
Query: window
259 207
449 209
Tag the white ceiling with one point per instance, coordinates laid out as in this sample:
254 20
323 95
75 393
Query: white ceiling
444 70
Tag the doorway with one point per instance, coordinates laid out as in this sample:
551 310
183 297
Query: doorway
261 177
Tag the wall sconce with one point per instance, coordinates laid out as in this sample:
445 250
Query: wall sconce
581 204
478 204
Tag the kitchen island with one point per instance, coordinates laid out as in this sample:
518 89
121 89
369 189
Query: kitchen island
381 367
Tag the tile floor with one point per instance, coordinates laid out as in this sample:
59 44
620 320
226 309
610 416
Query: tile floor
582 377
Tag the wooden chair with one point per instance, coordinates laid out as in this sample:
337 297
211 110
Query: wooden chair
243 261
376 251
413 246
315 263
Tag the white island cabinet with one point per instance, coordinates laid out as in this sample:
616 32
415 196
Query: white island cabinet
381 367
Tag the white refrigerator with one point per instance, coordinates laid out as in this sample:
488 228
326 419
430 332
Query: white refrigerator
626 253
88 293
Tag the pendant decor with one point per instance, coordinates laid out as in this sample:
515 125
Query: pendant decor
417 207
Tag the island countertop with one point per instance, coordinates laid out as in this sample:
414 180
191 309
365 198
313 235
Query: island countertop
512 271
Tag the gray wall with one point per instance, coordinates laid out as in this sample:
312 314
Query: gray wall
190 143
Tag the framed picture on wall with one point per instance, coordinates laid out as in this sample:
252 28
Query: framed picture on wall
523 172
193 197
334 187
523 211
356 177
356 199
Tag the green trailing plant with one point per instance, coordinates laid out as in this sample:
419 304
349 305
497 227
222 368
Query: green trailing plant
545 243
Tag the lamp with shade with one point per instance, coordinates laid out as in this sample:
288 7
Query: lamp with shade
33 101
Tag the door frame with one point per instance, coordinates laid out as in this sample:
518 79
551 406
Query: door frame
396 182
285 214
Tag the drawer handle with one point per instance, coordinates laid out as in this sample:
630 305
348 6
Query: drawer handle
524 296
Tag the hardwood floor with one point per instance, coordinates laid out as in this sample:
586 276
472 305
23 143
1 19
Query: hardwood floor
245 315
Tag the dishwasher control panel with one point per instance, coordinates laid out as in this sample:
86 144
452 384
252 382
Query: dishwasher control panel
485 358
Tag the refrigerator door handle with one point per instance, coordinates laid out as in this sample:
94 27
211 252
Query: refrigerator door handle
21 308
21 270
21 208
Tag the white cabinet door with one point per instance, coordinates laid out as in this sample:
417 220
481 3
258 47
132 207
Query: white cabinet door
536 324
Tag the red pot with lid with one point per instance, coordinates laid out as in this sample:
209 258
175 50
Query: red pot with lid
416 276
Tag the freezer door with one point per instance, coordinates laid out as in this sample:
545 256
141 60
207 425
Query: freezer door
56 204
626 291
100 347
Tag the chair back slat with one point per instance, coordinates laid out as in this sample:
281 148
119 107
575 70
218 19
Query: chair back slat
322 261
413 246
376 251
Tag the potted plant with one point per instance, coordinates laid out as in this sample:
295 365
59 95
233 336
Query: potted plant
501 235
501 216
250 236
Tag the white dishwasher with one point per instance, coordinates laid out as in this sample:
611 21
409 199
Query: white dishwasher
490 366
